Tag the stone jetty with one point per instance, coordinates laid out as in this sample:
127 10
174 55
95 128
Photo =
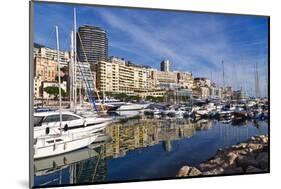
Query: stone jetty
251 156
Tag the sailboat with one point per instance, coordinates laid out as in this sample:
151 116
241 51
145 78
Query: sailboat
55 144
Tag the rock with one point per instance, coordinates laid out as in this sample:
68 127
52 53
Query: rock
265 140
183 172
262 159
252 169
208 166
242 145
240 151
216 171
236 170
217 161
254 146
247 157
249 150
188 171
245 161
231 157
265 148
253 138
194 172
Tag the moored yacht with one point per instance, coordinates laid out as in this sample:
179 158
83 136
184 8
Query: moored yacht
48 123
128 107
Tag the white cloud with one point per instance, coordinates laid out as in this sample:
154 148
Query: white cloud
198 48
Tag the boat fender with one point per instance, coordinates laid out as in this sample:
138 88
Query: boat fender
85 124
64 146
65 128
54 147
55 165
65 161
47 130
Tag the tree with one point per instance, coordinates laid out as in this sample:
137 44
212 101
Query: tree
150 98
121 96
159 99
155 99
64 69
134 98
53 90
108 94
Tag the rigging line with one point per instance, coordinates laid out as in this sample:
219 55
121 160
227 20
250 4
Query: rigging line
87 86
67 37
83 49
51 34
80 69
92 99
85 55
96 167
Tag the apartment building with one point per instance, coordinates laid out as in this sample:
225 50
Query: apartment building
51 54
119 77
185 80
166 77
45 68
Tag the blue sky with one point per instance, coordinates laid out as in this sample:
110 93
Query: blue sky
194 42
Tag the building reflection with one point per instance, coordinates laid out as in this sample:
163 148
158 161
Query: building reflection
130 135
143 132
93 170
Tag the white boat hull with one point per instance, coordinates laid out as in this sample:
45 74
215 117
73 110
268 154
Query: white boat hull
64 143
41 131
131 107
43 166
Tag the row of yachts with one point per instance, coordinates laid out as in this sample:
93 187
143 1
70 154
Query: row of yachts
55 133
221 111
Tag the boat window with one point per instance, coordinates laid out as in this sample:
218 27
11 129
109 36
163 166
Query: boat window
52 118
37 120
69 117
50 141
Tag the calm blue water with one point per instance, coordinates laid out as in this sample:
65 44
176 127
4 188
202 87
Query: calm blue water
145 149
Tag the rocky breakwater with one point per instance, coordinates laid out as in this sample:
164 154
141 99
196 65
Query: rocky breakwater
248 157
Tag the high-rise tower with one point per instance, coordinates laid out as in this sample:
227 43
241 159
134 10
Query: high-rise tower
165 65
92 44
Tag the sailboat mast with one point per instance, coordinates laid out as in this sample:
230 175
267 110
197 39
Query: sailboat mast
257 82
80 93
71 91
59 79
223 82
75 59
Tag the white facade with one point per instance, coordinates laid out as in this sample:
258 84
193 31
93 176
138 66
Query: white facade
52 55
36 87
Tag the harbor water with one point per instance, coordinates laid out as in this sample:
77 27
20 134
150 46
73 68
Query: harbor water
144 148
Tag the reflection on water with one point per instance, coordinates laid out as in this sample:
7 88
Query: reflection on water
144 148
